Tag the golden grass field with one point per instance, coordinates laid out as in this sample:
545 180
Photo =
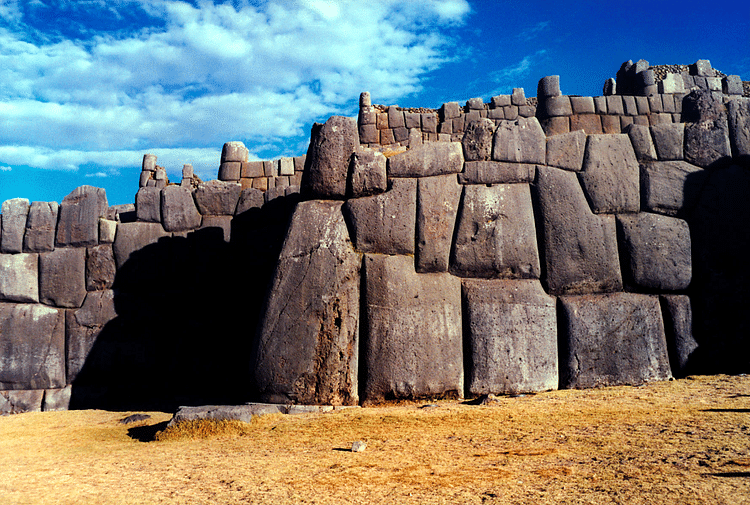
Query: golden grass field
676 442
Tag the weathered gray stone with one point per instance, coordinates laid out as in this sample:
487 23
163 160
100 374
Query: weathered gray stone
580 248
217 198
57 399
100 267
223 223
700 105
670 187
702 68
512 335
286 166
655 251
431 158
18 402
132 237
450 110
610 340
615 106
477 140
148 204
309 333
548 86
62 277
327 165
495 234
496 172
500 101
707 143
83 327
251 169
677 312
643 144
437 204
40 227
672 83
80 211
556 106
610 174
178 209
368 175
413 347
732 85
149 162
19 277
520 141
234 151
15 213
518 97
475 103
250 198
107 231
739 127
32 346
385 223
566 150
669 139
230 171
582 105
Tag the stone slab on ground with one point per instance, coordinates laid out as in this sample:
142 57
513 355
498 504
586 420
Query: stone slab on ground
611 339
512 335
246 412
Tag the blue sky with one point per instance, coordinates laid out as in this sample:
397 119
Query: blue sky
88 87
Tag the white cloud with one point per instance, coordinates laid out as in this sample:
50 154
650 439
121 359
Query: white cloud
508 76
5 169
208 74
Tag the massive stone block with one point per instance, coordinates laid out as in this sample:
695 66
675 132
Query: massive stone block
677 312
368 175
512 335
20 401
643 144
100 267
15 212
80 211
178 210
495 234
566 150
40 227
234 151
83 327
327 162
656 252
610 174
413 347
134 236
148 204
669 139
430 158
670 187
62 277
707 143
217 198
520 141
739 127
32 346
610 340
19 277
437 205
477 140
579 248
385 223
496 172
309 333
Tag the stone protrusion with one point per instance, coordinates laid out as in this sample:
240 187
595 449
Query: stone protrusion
178 209
78 224
327 162
520 141
15 213
677 312
217 198
148 204
368 174
234 151
40 227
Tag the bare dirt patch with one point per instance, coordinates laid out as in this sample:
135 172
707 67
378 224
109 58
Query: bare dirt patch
684 441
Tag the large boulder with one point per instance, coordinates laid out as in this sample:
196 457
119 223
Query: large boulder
83 327
707 143
78 224
477 140
368 174
437 205
512 336
669 139
32 346
15 212
178 210
20 401
19 277
495 234
579 248
656 251
670 187
385 223
40 227
611 339
610 174
678 327
496 172
413 347
148 204
100 267
739 128
430 158
62 277
520 141
132 237
309 332
566 150
328 156
217 198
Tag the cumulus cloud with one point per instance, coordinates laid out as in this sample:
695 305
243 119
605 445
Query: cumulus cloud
197 75
506 77
5 169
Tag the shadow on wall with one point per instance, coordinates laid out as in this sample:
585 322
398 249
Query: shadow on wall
720 291
187 308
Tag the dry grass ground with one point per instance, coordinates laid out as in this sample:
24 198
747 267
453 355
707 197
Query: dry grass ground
684 442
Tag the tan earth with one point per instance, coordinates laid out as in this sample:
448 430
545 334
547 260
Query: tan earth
677 442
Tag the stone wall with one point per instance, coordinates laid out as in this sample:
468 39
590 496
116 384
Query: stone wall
521 251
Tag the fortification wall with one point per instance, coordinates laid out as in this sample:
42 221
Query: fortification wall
514 255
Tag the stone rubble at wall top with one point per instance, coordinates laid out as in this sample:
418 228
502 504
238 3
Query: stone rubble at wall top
467 217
